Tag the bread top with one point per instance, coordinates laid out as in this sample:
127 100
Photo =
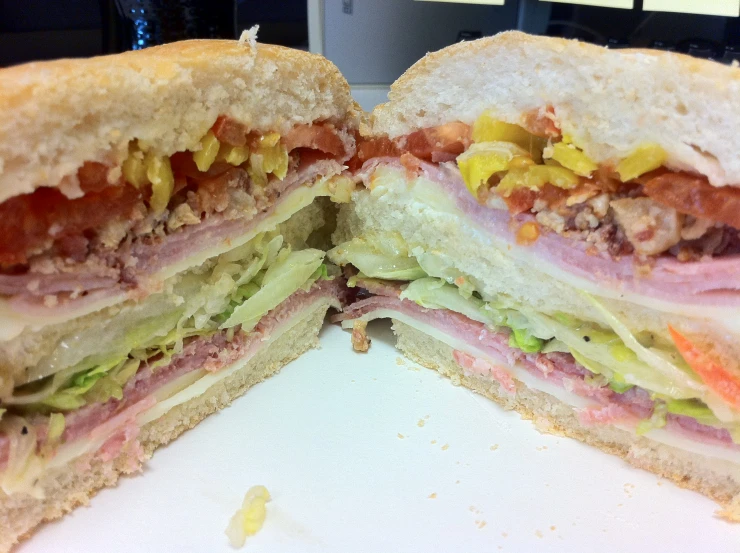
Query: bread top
54 116
608 101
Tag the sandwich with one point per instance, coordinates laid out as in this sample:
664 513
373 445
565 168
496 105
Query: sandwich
163 216
555 225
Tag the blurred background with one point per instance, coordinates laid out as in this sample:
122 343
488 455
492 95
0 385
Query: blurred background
372 41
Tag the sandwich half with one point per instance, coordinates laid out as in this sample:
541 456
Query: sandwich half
162 216
555 226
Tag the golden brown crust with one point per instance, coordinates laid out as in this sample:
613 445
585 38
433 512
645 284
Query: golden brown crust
56 115
609 101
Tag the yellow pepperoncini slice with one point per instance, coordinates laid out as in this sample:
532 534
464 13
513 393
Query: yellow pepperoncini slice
233 155
489 129
647 157
159 173
480 161
573 158
134 168
209 146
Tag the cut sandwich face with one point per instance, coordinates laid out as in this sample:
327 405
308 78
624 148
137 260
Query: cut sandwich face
166 255
532 240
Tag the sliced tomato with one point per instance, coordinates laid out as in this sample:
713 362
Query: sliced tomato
28 219
694 195
520 200
315 137
229 131
704 363
542 125
450 138
371 148
436 144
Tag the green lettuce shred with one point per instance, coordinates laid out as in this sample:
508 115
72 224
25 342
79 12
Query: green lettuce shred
525 341
656 420
378 255
57 422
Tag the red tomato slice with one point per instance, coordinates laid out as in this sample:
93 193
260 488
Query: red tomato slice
725 384
316 137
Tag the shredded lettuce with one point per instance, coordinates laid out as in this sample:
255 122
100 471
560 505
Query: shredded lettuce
669 365
24 466
525 341
378 255
282 278
441 266
57 423
434 293
71 396
656 420
693 408
602 351
619 386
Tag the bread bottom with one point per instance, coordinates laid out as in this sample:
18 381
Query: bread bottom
70 486
717 479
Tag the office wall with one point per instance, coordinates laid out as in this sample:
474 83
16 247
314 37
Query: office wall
379 39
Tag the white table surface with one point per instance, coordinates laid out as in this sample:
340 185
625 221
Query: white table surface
371 453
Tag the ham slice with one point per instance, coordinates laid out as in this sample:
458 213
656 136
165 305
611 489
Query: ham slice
713 281
42 285
481 367
557 368
210 353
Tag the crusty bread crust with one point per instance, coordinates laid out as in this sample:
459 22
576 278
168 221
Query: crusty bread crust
609 101
70 487
56 115
717 479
